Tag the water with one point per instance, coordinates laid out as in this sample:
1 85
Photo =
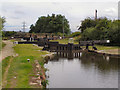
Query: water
85 71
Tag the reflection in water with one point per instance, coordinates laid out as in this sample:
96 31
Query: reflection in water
68 55
103 63
82 70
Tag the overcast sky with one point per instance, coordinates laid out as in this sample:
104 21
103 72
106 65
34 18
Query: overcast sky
17 11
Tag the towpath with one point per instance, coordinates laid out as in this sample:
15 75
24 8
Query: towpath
7 50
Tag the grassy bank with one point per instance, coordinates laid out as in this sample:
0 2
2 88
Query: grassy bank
21 71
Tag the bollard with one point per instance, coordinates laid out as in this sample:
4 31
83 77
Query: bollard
108 41
28 60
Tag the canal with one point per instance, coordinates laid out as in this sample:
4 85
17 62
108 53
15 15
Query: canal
86 70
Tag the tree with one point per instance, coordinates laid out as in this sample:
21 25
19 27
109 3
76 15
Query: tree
32 27
87 23
8 33
103 23
51 24
2 21
114 32
103 30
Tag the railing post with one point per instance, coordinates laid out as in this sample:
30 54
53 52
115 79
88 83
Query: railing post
70 49
87 46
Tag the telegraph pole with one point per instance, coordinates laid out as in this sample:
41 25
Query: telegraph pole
63 27
24 25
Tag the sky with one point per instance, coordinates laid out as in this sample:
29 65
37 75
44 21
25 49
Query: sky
18 11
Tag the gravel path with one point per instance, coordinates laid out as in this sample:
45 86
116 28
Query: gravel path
7 50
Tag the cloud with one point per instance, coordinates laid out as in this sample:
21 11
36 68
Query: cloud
111 12
19 12
14 17
119 10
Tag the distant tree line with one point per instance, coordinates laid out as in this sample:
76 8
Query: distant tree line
8 33
51 24
100 29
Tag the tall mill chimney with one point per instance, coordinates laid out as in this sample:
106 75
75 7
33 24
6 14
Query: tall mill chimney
95 14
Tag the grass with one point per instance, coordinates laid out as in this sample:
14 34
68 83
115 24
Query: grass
64 41
21 68
100 47
13 40
3 44
28 50
5 63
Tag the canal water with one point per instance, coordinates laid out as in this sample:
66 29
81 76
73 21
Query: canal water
84 70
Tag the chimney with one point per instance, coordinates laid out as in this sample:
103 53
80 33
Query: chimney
95 14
